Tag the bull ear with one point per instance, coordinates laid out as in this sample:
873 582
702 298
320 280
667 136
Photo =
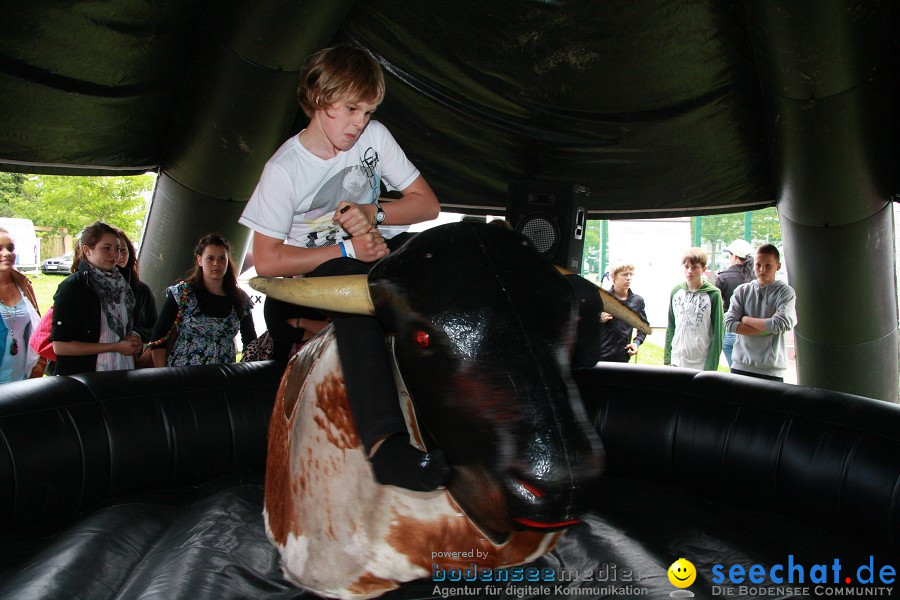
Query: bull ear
616 308
339 293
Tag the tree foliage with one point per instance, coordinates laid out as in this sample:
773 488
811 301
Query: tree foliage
716 231
592 235
68 203
764 227
11 186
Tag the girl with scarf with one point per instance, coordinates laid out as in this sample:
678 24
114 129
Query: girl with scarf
93 309
20 317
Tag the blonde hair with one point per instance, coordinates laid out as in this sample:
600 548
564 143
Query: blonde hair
618 266
338 73
694 256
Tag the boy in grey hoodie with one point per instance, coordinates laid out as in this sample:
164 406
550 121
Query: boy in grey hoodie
761 312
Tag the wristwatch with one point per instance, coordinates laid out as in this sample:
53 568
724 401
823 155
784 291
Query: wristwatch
379 214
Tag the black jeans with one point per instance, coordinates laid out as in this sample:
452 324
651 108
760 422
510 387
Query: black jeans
368 374
283 335
757 375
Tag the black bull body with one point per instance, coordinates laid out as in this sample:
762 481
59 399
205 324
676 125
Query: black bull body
482 331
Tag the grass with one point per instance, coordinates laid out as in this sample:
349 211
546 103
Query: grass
651 354
44 288
648 354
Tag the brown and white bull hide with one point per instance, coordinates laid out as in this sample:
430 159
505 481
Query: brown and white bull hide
340 533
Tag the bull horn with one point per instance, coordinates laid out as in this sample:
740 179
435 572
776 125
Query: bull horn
339 293
616 308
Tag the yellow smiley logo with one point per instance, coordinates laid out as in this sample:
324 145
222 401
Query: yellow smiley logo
682 573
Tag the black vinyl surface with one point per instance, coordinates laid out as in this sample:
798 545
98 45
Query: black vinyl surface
723 471
212 544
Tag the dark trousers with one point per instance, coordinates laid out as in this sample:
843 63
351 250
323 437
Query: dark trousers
284 336
368 374
757 375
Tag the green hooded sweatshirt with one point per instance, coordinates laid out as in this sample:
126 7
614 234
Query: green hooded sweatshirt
696 327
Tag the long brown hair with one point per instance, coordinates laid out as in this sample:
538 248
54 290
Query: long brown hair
229 284
89 237
131 267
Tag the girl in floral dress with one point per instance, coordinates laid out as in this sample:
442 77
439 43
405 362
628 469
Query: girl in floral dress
204 312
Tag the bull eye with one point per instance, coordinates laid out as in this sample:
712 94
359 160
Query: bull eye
422 338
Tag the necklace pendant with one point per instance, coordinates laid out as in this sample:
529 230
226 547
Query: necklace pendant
14 347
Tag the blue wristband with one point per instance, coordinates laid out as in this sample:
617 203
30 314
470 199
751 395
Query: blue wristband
343 249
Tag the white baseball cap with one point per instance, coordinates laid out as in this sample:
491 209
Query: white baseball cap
740 248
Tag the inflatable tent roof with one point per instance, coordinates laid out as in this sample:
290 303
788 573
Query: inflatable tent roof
658 107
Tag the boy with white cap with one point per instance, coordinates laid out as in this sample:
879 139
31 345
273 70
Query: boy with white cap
740 253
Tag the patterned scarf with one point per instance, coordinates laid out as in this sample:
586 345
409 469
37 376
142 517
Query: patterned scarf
113 291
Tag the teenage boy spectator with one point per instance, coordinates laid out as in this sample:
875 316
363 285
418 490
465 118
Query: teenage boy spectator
761 312
316 211
694 334
740 253
616 344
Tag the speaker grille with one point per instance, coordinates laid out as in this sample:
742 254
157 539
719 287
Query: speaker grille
542 231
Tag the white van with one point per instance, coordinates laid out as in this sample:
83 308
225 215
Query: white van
28 246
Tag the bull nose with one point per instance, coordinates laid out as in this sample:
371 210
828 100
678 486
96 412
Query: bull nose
556 498
531 492
534 505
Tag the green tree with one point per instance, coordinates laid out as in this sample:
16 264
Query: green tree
69 203
764 227
11 187
592 245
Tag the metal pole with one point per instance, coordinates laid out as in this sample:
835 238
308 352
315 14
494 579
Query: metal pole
604 234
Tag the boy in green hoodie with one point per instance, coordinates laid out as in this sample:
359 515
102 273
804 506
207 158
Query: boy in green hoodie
696 318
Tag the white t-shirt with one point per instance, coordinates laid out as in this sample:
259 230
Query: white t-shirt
298 192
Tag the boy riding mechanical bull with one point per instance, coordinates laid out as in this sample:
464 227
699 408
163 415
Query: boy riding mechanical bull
481 329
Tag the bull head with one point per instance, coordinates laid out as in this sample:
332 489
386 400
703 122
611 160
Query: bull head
483 329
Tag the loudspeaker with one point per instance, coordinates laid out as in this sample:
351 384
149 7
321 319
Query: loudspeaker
553 216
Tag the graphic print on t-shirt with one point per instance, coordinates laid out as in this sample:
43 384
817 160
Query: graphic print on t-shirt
353 184
691 307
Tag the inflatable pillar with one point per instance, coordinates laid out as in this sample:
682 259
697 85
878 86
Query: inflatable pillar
237 108
830 120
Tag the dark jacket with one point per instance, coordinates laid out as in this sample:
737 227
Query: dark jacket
144 306
617 334
727 280
76 317
586 352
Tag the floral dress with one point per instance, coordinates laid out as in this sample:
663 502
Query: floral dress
203 339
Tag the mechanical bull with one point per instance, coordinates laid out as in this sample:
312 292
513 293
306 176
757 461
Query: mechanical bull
481 328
